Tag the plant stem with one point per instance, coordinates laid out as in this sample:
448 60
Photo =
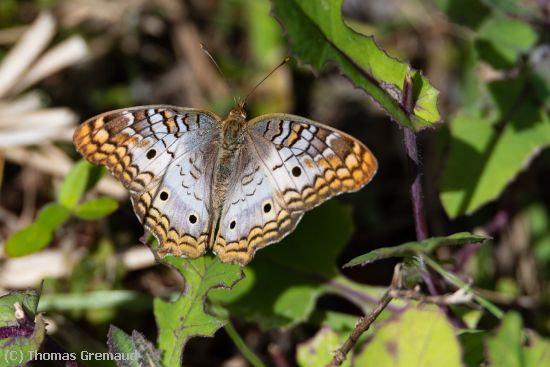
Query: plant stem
414 164
459 283
415 177
241 345
363 325
416 185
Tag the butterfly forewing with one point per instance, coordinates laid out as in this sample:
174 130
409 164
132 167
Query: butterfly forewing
309 161
289 165
165 156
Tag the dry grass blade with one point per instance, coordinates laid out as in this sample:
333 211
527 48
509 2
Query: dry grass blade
67 53
24 103
30 270
25 52
35 127
22 273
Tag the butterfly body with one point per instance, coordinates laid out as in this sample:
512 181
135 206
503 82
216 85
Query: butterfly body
231 142
200 182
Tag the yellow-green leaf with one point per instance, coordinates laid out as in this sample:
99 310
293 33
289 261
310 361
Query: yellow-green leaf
96 208
417 337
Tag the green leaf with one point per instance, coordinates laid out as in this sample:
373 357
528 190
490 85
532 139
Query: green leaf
28 240
472 346
39 234
74 185
96 208
52 216
319 36
317 352
426 246
283 281
138 351
502 41
508 348
21 330
418 337
27 299
483 160
180 320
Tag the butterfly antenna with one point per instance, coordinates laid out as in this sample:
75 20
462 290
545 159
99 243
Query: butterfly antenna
214 62
287 59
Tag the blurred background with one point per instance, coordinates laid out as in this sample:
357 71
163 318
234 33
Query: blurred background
62 62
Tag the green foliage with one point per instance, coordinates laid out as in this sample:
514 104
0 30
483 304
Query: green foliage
501 42
318 35
417 337
301 275
96 208
184 318
506 122
82 177
495 155
317 352
510 347
142 352
455 10
74 184
426 246
472 347
21 329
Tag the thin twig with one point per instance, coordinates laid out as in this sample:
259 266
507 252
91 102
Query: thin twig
366 321
459 283
461 296
363 325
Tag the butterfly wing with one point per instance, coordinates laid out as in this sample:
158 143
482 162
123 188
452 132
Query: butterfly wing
164 156
292 164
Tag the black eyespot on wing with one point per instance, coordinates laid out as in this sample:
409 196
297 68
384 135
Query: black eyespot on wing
193 219
232 224
296 171
163 196
151 153
267 207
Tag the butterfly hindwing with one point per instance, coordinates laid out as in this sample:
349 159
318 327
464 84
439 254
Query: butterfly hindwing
293 164
164 156
254 214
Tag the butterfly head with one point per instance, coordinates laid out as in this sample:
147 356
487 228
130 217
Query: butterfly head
238 112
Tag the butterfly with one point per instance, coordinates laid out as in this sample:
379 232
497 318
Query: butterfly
232 186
